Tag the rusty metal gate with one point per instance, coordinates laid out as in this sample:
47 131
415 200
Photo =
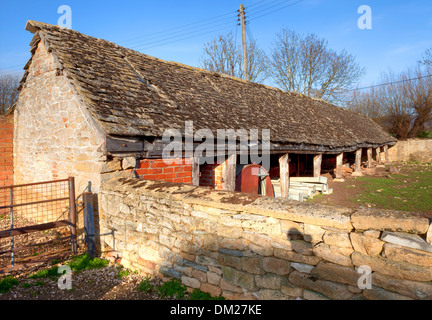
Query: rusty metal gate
37 223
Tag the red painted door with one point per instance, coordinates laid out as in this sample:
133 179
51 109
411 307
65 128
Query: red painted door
254 179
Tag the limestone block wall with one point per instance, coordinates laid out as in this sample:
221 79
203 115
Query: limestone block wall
412 150
52 137
248 246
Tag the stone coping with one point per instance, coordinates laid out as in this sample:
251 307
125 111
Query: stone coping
235 203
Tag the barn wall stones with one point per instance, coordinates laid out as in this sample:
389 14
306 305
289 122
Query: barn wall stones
250 247
52 137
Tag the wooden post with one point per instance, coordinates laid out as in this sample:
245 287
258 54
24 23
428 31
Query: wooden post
89 225
386 154
72 214
195 171
378 155
317 165
284 175
369 156
243 29
229 173
339 161
358 157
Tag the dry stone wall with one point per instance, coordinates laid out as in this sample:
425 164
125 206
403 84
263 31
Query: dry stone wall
412 150
245 246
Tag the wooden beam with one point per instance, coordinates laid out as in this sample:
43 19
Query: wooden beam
284 175
317 160
114 145
378 155
195 171
358 157
229 173
386 154
369 156
339 162
33 228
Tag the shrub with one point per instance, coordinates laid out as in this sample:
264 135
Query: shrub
197 294
172 288
146 286
7 283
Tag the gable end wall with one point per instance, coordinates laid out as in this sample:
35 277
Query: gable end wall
52 137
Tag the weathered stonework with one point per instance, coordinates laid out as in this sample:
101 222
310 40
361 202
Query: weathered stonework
227 244
412 150
53 139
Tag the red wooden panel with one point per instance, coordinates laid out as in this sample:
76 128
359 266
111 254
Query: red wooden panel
247 180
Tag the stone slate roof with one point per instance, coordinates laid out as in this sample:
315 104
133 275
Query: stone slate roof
131 94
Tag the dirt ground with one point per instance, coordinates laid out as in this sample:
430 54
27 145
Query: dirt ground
346 192
107 284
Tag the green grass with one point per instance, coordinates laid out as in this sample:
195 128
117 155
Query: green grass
197 294
51 273
77 264
409 191
146 286
30 285
84 262
7 283
425 134
174 289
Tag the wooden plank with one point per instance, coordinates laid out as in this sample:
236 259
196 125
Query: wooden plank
124 145
89 225
34 228
317 160
23 248
36 261
195 171
358 156
229 174
304 191
378 155
339 161
309 179
369 156
284 175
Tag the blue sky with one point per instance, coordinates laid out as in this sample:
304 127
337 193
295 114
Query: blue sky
401 30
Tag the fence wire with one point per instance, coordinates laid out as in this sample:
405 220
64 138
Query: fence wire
24 206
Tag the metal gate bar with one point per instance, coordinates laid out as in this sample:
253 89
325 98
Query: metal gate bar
51 203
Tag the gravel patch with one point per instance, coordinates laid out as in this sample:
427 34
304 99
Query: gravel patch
94 284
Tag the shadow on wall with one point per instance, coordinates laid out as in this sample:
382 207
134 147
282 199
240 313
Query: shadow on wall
245 247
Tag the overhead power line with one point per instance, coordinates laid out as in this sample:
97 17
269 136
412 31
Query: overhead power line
389 83
184 28
195 29
278 9
268 5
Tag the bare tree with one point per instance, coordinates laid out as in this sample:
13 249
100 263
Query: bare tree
305 64
426 60
368 104
223 55
8 91
419 95
402 106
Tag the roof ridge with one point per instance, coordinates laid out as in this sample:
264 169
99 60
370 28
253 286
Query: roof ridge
33 26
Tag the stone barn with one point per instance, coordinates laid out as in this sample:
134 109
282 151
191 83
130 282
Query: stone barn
94 110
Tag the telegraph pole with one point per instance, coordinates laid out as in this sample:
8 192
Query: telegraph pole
243 27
